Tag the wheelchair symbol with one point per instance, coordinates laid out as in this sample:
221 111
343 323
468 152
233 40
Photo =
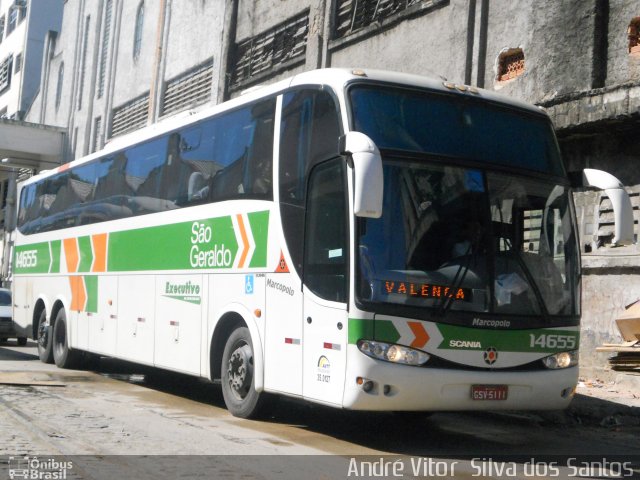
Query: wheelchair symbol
248 284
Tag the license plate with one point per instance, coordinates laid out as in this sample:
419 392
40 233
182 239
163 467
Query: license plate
489 392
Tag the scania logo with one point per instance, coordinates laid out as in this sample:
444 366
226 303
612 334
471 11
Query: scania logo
490 356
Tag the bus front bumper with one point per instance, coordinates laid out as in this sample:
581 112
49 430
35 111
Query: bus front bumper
406 388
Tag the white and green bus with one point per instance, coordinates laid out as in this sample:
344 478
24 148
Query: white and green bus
360 239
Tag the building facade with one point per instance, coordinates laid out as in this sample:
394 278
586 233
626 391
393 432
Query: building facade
120 65
24 24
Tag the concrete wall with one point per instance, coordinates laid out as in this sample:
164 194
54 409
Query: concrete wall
621 67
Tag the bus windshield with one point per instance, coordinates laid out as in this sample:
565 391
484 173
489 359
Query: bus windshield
465 238
454 126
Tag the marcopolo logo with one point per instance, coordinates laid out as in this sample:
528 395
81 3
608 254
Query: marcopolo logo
202 255
186 292
280 287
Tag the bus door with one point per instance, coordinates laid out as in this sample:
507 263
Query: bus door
326 269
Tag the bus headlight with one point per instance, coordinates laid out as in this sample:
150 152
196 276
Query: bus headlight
561 360
392 353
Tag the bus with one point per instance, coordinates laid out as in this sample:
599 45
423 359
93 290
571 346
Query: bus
360 239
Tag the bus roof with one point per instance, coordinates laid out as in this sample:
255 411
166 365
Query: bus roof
336 78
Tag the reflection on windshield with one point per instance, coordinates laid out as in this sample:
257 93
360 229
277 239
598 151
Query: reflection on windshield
455 126
461 239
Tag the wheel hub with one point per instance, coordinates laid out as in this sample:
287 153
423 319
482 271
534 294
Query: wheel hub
240 370
43 334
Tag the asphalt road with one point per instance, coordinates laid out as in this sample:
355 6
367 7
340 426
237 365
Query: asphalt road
123 414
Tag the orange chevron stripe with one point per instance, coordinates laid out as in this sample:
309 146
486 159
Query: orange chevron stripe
71 254
245 242
422 337
78 293
99 252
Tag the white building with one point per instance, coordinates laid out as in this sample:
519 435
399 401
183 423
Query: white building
24 25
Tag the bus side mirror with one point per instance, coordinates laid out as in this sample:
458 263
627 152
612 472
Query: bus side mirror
368 178
622 209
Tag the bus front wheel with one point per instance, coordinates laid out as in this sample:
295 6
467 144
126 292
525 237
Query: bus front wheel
63 356
43 338
238 385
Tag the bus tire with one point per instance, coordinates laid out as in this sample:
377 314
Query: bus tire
63 356
43 338
22 341
237 371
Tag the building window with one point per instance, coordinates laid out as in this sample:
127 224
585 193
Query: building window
17 64
83 64
96 143
276 49
106 32
2 22
634 35
59 85
188 90
137 35
352 16
5 73
13 19
510 64
21 6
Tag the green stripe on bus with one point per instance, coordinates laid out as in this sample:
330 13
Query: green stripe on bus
259 222
182 246
91 285
381 330
56 247
34 258
86 255
544 340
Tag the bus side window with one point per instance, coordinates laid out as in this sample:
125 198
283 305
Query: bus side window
244 148
29 207
143 172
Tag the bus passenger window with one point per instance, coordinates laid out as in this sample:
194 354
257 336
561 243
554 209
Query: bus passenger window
244 147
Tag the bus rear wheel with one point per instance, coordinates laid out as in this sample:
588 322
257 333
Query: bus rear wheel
238 381
63 356
43 338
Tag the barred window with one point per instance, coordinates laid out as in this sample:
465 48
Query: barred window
5 73
275 49
106 32
354 15
188 90
96 143
130 116
510 64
